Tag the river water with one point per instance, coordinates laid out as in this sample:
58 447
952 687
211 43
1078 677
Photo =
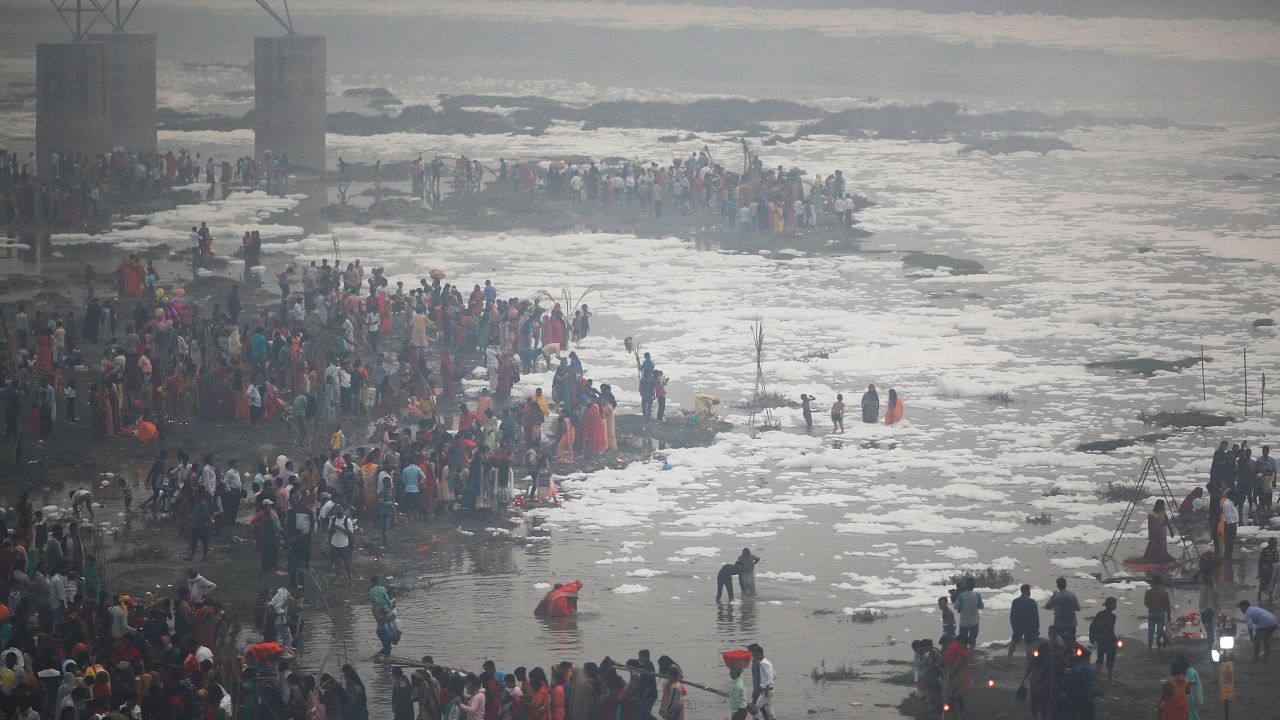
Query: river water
1134 245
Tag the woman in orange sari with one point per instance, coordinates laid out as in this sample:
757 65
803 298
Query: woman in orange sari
893 411
1173 701
568 435
540 703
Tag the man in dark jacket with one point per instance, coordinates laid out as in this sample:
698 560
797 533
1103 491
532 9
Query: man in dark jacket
1102 633
1024 618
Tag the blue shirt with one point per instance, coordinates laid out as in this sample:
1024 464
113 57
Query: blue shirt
490 293
1258 619
412 476
1265 465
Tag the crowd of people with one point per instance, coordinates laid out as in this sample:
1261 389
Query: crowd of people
71 193
342 345
1062 671
636 689
758 199
71 648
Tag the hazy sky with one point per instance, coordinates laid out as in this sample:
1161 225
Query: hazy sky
1183 58
1223 9
1192 29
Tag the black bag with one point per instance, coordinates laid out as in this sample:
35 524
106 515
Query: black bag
1096 629
1021 695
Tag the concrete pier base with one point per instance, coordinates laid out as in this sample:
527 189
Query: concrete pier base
73 107
131 82
290 84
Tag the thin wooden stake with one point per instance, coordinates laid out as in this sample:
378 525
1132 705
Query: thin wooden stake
1204 394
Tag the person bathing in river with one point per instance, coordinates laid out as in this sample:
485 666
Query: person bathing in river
870 405
806 409
724 579
1158 532
893 411
747 572
837 414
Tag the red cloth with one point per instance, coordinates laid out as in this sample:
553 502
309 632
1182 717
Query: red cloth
557 603
593 431
1188 503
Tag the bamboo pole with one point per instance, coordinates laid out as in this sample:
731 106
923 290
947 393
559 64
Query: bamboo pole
1204 395
690 683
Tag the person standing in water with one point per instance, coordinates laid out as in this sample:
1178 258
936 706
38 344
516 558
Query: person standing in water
724 579
837 414
870 405
893 411
807 410
1158 532
747 572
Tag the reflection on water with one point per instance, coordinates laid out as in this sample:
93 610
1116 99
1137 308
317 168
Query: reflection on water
736 621
564 635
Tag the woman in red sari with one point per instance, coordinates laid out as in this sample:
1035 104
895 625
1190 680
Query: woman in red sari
174 390
446 374
44 353
99 414
272 405
594 439
508 376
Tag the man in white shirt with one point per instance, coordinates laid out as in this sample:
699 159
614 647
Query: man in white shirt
58 596
575 184
762 679
255 403
235 488
209 476
199 586
744 219
325 513
330 470
195 250
342 532
344 389
1230 522
372 322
